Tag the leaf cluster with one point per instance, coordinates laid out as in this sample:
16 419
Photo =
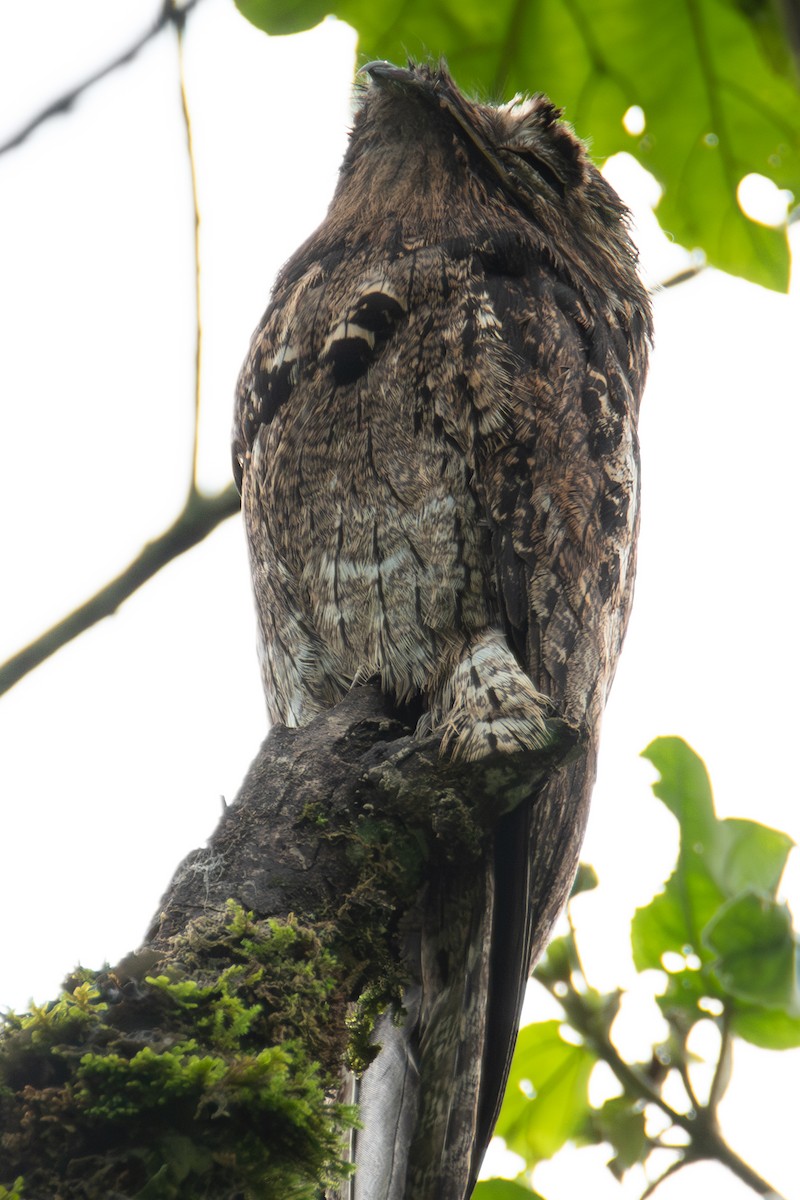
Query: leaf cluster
724 947
718 928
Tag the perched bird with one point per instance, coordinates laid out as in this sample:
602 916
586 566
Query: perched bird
435 440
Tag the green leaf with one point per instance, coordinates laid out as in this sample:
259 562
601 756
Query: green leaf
734 111
681 1001
546 1100
503 1189
768 1028
558 961
674 920
684 785
620 1122
284 16
585 881
756 952
718 860
720 904
746 855
769 23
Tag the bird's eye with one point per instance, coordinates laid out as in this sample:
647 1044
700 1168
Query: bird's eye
542 170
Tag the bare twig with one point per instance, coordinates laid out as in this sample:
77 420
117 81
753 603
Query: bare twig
683 1071
170 14
656 1183
706 1142
198 321
199 517
691 272
721 1075
201 513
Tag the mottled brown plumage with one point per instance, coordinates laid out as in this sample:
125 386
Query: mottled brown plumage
435 439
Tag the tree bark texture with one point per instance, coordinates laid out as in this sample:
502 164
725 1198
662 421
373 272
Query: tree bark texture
336 888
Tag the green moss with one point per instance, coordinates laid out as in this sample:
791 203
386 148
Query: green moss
210 1071
226 1093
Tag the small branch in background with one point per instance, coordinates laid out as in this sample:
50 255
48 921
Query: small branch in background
199 517
705 1140
201 513
790 17
690 272
198 321
683 1071
170 15
656 1183
722 1073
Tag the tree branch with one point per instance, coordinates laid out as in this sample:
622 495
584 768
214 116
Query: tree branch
170 14
199 517
201 513
691 272
205 1062
188 1068
723 1069
706 1140
683 1071
656 1183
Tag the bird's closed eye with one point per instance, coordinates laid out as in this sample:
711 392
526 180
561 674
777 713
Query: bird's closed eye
541 168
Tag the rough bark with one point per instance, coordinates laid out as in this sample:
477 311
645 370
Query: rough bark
291 931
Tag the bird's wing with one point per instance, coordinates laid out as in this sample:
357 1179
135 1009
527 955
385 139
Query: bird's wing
559 490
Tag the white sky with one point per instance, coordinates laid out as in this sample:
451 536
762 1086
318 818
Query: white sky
113 756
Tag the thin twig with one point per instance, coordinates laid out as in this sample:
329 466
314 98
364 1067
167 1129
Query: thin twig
575 953
720 1080
199 517
169 15
201 513
633 1081
683 1071
656 1183
705 1139
198 322
706 1142
682 276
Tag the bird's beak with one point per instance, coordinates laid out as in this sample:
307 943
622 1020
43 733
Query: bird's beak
380 70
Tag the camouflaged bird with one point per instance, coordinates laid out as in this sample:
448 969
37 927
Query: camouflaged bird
435 440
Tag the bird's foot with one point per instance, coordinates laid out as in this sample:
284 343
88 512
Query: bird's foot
487 705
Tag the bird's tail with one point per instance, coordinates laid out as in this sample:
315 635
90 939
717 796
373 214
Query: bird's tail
429 1102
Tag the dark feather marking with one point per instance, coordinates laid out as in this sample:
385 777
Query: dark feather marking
349 357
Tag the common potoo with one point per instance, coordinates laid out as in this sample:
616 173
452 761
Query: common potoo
435 439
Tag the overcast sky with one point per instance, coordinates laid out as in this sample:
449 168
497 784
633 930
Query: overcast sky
113 756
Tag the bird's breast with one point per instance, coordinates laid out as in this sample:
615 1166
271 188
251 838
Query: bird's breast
380 529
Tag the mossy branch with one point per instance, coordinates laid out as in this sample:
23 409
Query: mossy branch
206 1063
